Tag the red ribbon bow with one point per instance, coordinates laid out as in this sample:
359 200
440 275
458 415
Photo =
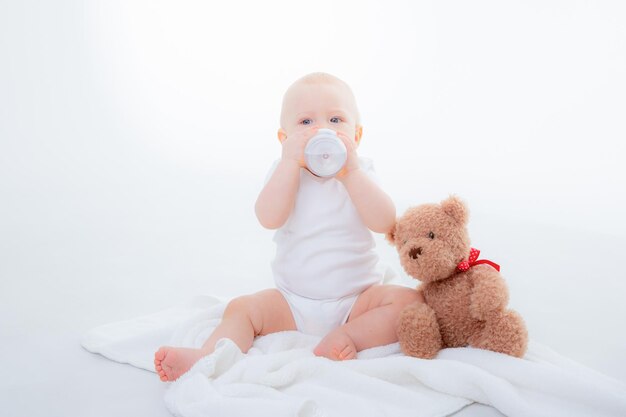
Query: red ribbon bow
465 265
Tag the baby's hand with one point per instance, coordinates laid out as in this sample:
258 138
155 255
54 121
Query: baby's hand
293 145
352 162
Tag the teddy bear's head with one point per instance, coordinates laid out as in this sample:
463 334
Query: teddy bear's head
432 239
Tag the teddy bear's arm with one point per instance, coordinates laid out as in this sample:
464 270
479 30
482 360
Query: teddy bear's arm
420 290
489 293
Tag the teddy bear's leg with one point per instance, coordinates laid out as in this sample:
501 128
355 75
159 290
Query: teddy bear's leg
418 331
505 333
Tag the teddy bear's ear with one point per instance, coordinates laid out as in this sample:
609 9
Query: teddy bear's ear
391 235
454 207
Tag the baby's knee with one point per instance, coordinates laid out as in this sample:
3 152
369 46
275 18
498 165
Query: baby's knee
239 306
406 296
244 310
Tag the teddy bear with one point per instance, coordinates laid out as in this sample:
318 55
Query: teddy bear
464 299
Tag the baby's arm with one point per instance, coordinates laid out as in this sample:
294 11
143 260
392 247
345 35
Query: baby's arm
278 197
374 205
274 204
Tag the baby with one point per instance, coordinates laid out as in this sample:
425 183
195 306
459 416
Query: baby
326 270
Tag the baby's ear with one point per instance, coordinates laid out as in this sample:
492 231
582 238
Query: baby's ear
282 135
454 207
358 134
391 235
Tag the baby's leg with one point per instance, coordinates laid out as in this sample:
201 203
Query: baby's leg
372 322
244 318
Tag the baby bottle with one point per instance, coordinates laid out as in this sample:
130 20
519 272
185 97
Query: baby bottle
325 154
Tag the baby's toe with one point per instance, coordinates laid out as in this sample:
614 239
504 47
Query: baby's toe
160 354
347 353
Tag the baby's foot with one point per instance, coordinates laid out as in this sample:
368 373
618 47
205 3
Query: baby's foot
336 345
171 362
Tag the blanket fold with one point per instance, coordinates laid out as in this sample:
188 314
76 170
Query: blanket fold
280 376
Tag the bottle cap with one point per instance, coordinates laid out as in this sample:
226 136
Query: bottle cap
325 154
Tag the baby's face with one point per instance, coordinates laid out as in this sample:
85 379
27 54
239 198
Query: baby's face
322 105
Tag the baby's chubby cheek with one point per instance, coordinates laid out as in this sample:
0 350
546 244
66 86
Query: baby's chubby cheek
344 130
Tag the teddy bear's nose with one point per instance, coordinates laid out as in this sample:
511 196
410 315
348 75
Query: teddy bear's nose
415 252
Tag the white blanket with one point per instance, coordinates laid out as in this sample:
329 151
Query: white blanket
280 376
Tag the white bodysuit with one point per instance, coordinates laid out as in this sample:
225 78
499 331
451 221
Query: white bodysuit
325 254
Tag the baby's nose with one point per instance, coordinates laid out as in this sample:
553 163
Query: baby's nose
415 252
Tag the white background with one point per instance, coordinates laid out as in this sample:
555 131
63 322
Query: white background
135 137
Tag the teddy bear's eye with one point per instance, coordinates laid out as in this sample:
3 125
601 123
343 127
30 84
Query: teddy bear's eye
431 235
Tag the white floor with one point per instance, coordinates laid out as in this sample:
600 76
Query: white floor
568 284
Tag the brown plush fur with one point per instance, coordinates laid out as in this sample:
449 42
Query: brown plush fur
461 308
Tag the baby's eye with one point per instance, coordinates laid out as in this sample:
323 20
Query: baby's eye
306 122
335 119
431 235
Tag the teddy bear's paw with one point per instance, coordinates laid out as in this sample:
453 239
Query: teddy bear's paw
505 334
418 331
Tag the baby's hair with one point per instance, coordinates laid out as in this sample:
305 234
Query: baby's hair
320 77
325 78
